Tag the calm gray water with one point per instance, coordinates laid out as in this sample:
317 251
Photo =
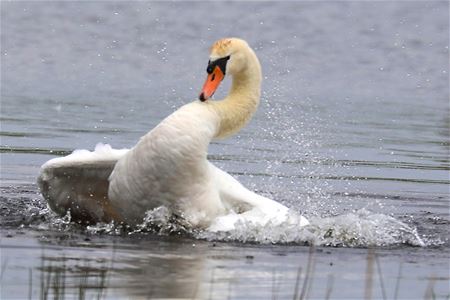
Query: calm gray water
353 131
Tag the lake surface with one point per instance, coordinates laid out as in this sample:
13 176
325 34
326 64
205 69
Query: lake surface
353 131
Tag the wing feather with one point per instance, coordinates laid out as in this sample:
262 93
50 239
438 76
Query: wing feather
79 183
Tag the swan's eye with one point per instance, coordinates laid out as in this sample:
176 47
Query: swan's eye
221 63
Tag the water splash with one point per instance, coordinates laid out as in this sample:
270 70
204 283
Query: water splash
358 229
157 221
361 228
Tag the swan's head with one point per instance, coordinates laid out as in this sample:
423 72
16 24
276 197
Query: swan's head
227 56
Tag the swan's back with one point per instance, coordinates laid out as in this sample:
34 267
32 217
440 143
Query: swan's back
168 167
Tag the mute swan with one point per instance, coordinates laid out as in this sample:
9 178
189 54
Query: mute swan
168 166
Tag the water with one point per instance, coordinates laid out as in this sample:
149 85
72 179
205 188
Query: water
352 131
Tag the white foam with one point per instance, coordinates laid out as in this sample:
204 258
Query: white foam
359 229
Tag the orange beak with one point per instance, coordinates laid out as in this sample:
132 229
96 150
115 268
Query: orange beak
211 84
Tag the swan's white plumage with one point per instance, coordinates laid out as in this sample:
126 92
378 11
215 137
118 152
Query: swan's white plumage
168 166
102 152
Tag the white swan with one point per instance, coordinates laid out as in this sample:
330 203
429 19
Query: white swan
168 166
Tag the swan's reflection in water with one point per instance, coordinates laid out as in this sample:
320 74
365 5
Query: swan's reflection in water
166 270
156 267
69 266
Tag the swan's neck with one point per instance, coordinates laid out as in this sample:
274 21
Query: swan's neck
242 101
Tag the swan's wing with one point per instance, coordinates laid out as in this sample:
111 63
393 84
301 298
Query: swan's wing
79 183
245 205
